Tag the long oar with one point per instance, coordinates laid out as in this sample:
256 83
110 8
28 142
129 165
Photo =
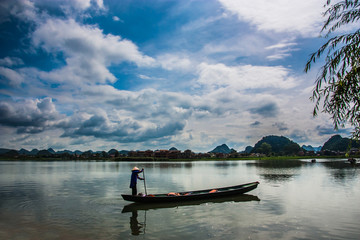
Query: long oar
144 182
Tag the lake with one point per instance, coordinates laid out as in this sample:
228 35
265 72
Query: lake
82 200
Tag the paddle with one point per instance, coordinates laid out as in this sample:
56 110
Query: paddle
144 182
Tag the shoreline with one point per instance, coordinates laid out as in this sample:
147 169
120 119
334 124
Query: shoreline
134 159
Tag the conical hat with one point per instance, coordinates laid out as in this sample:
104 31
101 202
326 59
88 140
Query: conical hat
135 168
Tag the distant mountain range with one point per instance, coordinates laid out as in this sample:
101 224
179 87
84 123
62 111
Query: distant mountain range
310 148
52 151
275 144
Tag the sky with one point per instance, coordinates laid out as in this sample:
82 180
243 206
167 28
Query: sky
156 74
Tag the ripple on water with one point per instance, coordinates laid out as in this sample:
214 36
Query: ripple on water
20 196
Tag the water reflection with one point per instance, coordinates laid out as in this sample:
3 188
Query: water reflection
135 226
162 165
277 164
138 228
226 164
277 177
286 170
148 206
342 171
340 164
276 171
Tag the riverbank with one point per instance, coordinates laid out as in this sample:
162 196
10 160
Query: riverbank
152 159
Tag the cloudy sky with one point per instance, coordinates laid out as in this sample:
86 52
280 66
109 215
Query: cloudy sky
153 74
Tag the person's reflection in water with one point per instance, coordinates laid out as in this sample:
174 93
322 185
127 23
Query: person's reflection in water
134 224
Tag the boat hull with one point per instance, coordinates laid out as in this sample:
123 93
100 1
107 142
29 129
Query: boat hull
193 195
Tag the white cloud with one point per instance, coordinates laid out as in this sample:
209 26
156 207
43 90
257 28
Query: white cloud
87 50
145 77
100 3
126 116
278 56
281 50
244 77
201 23
117 19
281 45
104 115
74 39
12 78
11 61
29 116
142 76
300 17
175 62
27 10
79 5
22 9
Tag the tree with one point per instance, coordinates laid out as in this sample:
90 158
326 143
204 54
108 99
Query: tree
265 148
292 148
338 82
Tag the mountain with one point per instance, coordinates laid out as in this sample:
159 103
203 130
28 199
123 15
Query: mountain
113 151
124 152
51 151
4 150
45 153
65 151
338 143
276 144
11 153
222 149
310 148
34 152
88 153
23 152
78 152
248 149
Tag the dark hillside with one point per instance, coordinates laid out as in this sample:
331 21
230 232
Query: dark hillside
279 145
338 143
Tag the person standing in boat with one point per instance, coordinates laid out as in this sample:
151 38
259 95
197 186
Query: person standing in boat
134 177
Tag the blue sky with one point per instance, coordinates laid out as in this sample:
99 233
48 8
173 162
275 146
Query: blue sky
137 75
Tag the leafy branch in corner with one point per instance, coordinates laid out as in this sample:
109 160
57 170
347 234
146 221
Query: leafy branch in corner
337 84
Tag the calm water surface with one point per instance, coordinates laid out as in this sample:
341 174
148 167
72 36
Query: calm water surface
82 200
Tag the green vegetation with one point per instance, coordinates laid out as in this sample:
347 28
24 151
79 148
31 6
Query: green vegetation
337 143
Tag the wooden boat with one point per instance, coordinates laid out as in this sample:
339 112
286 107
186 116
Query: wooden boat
192 195
352 161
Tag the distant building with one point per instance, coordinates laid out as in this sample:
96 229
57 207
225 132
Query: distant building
174 154
161 153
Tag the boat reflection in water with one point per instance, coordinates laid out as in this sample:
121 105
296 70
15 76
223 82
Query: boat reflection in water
138 228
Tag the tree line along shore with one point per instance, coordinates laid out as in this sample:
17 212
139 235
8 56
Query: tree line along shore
269 147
